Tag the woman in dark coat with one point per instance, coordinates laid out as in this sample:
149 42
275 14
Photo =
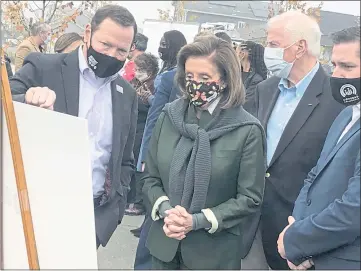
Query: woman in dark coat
205 169
146 69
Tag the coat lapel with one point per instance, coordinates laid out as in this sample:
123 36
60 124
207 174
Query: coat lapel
70 73
268 98
304 109
334 137
117 106
36 48
249 78
354 129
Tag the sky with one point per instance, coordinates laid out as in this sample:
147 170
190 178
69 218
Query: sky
148 9
142 10
347 7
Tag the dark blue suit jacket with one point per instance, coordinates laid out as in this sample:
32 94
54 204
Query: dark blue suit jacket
327 210
165 92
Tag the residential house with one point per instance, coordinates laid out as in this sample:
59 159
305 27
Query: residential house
250 18
332 22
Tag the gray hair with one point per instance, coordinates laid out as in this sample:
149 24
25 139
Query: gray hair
147 62
39 27
301 26
224 58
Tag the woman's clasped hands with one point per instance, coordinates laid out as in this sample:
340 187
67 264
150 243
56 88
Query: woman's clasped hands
177 223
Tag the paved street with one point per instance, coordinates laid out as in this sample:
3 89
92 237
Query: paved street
120 251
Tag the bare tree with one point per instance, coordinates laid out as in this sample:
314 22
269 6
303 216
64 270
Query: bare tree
179 14
19 16
278 7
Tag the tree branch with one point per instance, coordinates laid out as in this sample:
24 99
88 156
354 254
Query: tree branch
53 13
35 5
33 11
25 24
47 3
43 11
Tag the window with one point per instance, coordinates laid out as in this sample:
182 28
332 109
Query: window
241 24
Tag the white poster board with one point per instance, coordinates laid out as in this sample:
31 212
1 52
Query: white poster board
56 158
155 30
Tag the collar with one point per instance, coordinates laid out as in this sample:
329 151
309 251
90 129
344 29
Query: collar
302 85
356 110
32 41
83 67
213 105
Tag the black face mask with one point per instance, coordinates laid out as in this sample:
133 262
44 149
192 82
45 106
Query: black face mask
163 53
103 65
346 90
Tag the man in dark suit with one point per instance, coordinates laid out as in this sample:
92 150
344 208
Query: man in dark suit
86 84
326 218
296 109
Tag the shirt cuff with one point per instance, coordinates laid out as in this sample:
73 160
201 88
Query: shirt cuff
200 222
155 210
212 219
163 207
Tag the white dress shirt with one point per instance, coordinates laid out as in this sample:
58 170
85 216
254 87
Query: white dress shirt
95 105
355 118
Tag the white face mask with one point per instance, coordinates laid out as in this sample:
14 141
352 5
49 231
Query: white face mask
47 39
273 58
141 76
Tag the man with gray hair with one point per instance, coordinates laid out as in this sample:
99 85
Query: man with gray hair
40 36
325 228
296 108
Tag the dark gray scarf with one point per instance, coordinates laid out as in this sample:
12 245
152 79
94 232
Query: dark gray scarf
190 170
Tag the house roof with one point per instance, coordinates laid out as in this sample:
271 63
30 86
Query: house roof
333 21
238 9
330 21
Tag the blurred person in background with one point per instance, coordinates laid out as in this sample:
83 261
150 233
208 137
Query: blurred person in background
224 36
165 92
254 70
170 44
146 69
251 57
202 34
40 36
139 47
68 42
